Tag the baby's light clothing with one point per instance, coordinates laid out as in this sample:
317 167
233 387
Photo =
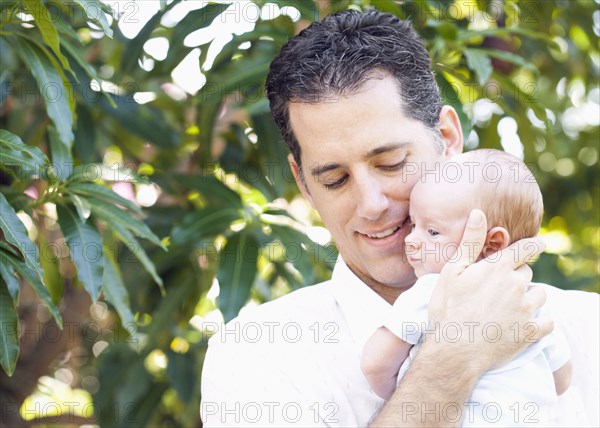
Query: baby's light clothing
518 393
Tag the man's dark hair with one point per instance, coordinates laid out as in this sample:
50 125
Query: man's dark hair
336 56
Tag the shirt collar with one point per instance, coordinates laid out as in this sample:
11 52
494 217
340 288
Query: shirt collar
363 308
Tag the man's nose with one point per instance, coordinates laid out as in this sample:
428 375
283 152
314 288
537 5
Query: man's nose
372 200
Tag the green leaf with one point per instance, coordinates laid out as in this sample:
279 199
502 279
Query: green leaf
10 249
125 236
76 53
297 248
186 282
7 273
451 98
113 215
466 35
5 82
51 81
65 30
520 94
85 248
133 48
446 29
289 231
480 63
207 115
388 6
204 223
287 273
193 21
102 193
213 189
29 161
272 154
16 234
19 200
137 250
62 161
9 331
279 29
237 270
85 136
134 118
182 372
121 229
32 277
246 72
308 8
535 35
99 171
508 57
115 291
94 12
82 206
41 15
54 281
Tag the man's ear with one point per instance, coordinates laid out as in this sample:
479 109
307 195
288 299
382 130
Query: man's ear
451 131
299 181
496 239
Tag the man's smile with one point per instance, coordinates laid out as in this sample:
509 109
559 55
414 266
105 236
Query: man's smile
389 236
383 234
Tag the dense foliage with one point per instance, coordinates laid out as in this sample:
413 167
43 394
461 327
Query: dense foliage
141 207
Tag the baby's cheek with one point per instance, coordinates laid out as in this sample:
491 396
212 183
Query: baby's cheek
450 252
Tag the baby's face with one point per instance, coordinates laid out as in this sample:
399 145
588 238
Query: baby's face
439 213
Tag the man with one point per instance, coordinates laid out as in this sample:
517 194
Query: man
356 101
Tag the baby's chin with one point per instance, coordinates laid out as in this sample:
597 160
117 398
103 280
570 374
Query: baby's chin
421 270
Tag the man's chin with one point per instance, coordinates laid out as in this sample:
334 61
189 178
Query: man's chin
400 279
382 271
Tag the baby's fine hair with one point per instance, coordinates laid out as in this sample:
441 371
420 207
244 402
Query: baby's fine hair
509 194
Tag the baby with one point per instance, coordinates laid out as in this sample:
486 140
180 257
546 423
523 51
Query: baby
500 185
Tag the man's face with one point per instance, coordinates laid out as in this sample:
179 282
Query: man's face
361 157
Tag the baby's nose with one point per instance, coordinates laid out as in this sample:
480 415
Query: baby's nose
412 246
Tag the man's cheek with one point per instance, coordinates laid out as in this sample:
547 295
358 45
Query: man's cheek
410 174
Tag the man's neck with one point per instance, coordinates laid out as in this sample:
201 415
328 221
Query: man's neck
387 292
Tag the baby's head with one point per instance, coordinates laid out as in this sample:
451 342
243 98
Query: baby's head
493 181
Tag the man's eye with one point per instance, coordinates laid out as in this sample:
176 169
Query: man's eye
433 232
394 167
336 184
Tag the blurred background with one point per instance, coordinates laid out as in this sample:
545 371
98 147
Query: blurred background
146 196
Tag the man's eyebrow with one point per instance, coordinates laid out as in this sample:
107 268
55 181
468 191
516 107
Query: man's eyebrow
384 149
318 169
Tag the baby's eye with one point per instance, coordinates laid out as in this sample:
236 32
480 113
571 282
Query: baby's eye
433 232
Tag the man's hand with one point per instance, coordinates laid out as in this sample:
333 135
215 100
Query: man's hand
489 301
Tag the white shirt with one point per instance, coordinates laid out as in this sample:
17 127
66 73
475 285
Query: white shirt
295 361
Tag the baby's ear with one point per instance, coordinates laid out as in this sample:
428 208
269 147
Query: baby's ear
496 239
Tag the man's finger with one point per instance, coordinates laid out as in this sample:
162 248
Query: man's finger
536 296
545 326
472 242
522 251
525 274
